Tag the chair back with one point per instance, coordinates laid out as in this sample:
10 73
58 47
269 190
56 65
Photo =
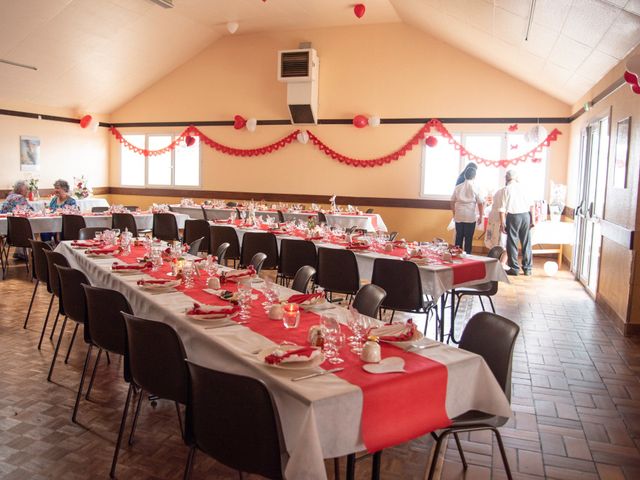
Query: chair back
54 259
194 247
89 233
155 355
99 209
220 234
493 338
368 300
392 236
338 270
71 226
195 229
232 204
302 278
257 261
322 218
105 321
228 412
165 227
132 208
295 254
496 252
221 252
72 294
40 267
401 280
19 232
205 215
369 210
254 242
280 216
124 221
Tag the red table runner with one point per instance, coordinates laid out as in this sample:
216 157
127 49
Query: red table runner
397 407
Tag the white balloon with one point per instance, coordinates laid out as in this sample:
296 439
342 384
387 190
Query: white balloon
94 124
537 134
251 124
374 121
232 27
550 268
303 137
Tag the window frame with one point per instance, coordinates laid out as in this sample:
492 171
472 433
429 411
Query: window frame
504 148
173 185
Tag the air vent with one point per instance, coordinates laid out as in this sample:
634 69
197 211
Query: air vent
294 64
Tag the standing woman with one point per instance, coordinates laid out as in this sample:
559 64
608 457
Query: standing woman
464 201
468 166
60 199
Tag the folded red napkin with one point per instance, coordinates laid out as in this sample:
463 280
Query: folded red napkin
212 311
103 251
86 243
357 246
296 354
305 297
235 275
142 266
396 332
316 237
154 282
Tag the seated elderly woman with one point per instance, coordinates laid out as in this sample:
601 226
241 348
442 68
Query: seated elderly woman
61 197
17 198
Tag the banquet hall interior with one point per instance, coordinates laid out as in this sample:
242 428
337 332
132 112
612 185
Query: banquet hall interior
234 241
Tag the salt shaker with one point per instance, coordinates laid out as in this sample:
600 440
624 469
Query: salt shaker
371 351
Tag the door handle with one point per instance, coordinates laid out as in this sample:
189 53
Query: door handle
591 206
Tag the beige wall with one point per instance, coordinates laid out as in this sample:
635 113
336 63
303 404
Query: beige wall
66 150
388 70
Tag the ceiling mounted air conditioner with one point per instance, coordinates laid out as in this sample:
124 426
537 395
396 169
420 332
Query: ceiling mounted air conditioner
299 70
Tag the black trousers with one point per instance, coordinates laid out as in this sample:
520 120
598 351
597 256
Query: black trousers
518 229
464 234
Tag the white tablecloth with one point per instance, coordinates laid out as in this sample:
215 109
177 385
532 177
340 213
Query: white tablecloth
320 417
369 222
436 279
85 205
53 223
553 233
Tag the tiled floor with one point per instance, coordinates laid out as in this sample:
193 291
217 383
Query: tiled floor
576 398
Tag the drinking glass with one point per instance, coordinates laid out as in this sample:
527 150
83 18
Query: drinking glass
291 316
268 291
98 236
233 215
156 257
188 273
211 266
244 297
361 328
334 342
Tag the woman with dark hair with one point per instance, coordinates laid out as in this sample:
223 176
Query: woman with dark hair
469 166
468 208
61 197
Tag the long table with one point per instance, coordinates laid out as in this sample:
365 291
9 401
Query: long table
53 223
84 204
370 222
323 417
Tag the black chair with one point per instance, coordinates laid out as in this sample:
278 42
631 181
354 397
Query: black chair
132 208
71 226
493 338
53 260
302 278
257 261
220 234
205 215
487 289
165 227
368 300
99 209
322 219
401 280
221 252
124 221
89 233
18 235
232 204
392 236
41 273
195 229
281 216
338 272
194 247
369 210
225 414
254 242
155 358
107 330
75 308
293 255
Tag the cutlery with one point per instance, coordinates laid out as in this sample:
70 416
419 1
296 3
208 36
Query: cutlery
423 346
225 325
317 374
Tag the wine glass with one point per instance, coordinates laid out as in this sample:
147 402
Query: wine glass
334 343
188 273
244 294
362 325
210 266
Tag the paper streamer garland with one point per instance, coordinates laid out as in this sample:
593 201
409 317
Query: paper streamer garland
420 135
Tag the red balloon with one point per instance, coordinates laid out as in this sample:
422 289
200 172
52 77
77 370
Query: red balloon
359 10
360 121
431 141
636 88
189 140
239 122
631 78
85 121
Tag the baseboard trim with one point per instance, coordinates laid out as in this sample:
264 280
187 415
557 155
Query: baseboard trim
625 328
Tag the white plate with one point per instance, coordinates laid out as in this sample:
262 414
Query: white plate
128 272
208 317
289 365
157 287
99 255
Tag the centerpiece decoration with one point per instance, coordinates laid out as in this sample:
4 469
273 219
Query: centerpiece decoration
32 185
81 188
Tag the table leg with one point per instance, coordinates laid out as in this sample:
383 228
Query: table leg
560 257
440 330
452 327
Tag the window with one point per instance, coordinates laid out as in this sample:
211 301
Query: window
180 167
442 164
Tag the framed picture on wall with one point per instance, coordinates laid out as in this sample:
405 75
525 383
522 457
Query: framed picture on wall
29 154
621 154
